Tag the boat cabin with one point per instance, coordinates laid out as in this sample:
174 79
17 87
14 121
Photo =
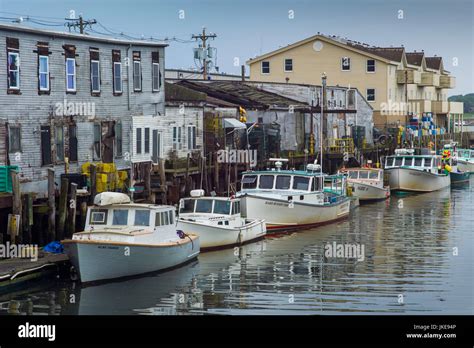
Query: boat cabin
369 176
209 205
217 211
284 180
466 154
420 162
141 216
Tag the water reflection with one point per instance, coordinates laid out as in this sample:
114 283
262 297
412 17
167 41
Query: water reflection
418 260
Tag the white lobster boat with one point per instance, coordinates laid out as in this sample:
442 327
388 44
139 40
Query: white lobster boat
123 239
465 159
415 173
291 199
217 221
367 183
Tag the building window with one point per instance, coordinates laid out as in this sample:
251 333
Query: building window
13 70
139 140
14 139
370 65
118 139
95 76
370 94
156 77
265 67
71 74
117 72
177 143
345 63
191 137
72 143
43 73
147 140
137 72
59 141
97 141
288 65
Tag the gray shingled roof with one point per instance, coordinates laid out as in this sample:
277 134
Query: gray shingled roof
415 58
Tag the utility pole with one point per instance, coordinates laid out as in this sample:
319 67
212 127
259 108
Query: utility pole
81 23
204 37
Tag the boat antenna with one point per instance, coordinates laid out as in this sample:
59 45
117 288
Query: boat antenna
323 85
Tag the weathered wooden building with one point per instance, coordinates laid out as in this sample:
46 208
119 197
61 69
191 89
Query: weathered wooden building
67 99
292 111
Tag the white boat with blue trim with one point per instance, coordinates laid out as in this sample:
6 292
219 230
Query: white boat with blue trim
293 199
123 239
415 173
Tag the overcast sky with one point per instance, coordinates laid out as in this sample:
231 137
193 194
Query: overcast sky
246 28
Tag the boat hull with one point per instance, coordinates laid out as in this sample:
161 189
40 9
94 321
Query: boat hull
279 215
369 192
214 237
457 177
466 166
96 260
412 180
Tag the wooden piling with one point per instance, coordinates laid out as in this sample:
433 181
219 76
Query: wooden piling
164 187
62 209
27 217
147 181
83 208
16 209
93 177
71 226
51 207
216 175
186 177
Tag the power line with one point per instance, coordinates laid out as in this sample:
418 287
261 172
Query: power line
205 54
81 23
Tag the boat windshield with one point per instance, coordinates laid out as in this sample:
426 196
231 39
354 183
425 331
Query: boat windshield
120 217
353 174
363 174
283 182
204 206
142 218
300 183
418 161
389 161
408 161
266 181
235 207
164 218
187 206
249 182
374 175
221 207
398 161
98 216
427 162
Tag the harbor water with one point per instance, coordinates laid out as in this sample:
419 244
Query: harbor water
416 257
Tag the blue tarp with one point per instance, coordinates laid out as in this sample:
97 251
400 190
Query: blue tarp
54 247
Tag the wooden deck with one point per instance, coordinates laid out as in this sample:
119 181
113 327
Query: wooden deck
16 271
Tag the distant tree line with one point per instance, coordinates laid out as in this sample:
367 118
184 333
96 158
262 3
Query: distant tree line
467 99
